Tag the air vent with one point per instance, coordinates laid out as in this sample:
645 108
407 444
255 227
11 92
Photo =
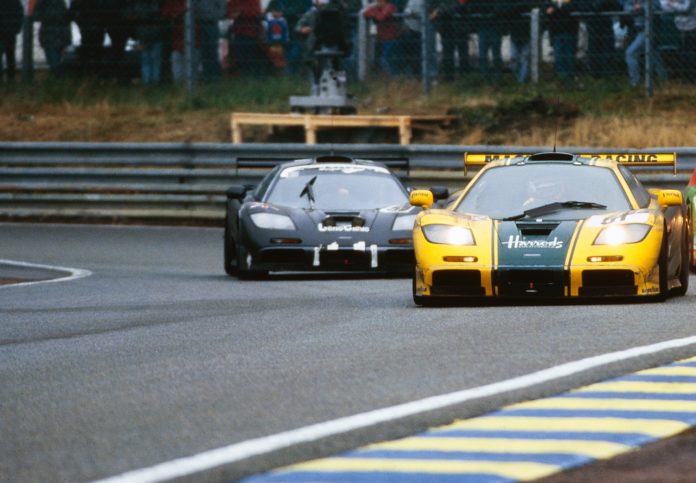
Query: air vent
536 229
333 159
551 157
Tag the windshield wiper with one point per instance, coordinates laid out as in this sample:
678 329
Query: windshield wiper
309 191
555 206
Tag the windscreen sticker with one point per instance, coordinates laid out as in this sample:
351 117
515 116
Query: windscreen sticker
335 168
618 218
400 209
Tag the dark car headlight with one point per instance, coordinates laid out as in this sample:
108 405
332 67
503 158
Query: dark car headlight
272 221
404 222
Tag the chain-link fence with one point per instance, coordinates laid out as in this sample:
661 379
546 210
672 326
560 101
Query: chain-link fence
158 41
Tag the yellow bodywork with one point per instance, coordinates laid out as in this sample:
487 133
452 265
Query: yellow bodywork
640 258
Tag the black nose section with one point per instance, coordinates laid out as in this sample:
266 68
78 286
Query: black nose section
343 219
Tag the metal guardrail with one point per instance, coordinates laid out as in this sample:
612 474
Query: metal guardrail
185 183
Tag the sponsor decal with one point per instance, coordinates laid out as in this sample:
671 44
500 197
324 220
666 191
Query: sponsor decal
517 242
636 158
618 218
340 168
343 228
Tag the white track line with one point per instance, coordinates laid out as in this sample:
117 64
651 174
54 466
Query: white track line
75 273
254 447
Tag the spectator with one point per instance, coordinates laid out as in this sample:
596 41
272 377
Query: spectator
84 13
389 30
563 29
246 37
174 11
54 33
11 16
149 32
488 27
291 10
352 9
410 57
277 36
449 20
600 35
324 25
518 21
112 22
685 22
96 19
637 46
207 14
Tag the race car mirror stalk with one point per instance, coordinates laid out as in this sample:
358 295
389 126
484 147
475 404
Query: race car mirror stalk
236 192
422 198
669 198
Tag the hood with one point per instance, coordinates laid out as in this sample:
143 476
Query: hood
531 243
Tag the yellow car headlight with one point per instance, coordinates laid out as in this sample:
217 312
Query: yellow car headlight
448 235
622 234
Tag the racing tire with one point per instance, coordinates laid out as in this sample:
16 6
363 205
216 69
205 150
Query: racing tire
684 264
690 235
662 264
244 272
417 299
230 251
421 300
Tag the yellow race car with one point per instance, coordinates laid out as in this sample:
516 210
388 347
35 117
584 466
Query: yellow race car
552 225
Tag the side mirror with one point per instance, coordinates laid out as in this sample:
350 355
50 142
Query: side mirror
236 192
422 198
670 198
439 192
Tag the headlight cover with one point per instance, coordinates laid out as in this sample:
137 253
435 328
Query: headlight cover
272 221
404 222
448 235
622 234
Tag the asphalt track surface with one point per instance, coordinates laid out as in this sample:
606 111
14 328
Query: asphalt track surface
158 356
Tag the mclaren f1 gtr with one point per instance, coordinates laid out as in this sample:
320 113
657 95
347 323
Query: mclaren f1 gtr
690 197
553 225
328 213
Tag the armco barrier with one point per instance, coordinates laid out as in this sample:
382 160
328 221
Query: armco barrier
185 183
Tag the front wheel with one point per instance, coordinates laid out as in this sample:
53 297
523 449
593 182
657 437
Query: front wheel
230 255
420 300
417 299
245 272
662 264
690 234
684 264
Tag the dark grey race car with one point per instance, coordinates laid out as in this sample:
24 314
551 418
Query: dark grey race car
323 214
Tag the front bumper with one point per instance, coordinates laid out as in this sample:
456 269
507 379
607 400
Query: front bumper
536 282
372 258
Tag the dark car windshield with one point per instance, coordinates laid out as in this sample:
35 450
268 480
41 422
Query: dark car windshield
508 191
336 187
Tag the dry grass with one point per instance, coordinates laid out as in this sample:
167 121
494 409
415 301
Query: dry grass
601 116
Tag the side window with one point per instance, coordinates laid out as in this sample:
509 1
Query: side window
641 195
261 189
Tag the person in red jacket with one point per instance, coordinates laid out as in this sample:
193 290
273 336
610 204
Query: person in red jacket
389 30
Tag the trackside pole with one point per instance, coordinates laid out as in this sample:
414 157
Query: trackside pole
534 46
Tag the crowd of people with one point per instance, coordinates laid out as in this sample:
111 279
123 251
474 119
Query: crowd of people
278 37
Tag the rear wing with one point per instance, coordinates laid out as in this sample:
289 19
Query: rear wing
631 160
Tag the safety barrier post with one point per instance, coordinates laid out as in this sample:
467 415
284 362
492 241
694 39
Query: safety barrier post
534 45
